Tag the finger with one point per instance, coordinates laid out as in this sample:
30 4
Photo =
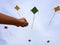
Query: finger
24 25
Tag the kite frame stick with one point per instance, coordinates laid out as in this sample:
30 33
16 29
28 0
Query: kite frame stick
51 18
33 21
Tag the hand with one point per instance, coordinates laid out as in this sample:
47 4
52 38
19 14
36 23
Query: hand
23 22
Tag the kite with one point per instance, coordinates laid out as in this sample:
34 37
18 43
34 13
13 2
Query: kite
5 27
48 41
17 9
34 10
56 9
29 40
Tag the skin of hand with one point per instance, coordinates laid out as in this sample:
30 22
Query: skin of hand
22 22
4 19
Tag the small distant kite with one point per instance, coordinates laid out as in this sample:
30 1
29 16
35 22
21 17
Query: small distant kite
29 40
5 27
34 10
48 41
56 9
17 9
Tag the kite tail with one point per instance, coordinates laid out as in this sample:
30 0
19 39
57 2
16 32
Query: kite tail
51 19
33 21
18 14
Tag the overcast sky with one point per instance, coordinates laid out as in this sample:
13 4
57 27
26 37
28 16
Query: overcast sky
41 31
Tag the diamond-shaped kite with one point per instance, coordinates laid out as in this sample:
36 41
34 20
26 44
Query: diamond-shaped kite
17 7
34 10
55 9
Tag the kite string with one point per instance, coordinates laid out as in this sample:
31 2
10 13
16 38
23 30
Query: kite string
18 13
29 43
21 14
33 21
52 18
